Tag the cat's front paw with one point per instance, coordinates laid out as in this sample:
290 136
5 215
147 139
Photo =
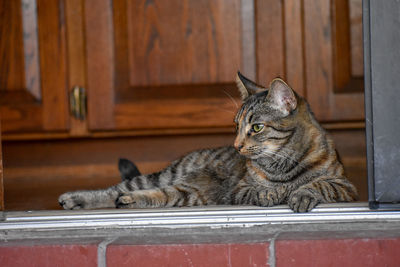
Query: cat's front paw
268 198
71 201
303 201
130 200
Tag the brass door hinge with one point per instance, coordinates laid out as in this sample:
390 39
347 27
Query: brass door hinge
77 102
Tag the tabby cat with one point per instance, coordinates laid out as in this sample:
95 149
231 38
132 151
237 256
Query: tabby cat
281 155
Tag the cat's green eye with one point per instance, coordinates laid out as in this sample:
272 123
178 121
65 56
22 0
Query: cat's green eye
257 127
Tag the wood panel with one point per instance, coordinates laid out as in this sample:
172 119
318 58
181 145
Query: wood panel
139 50
316 46
320 84
249 64
341 43
1 174
294 43
180 48
347 46
19 63
74 16
269 41
182 42
279 42
51 32
100 64
36 172
15 22
33 77
356 38
161 68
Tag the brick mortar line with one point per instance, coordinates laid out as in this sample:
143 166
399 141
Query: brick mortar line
102 251
272 259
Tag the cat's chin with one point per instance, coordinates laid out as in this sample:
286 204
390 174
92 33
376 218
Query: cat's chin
259 157
251 156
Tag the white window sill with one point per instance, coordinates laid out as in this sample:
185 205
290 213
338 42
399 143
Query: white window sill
211 217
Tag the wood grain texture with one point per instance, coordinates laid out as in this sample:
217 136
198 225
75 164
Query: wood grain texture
350 125
76 57
194 44
347 46
178 107
12 70
310 45
341 43
11 47
179 42
122 73
319 71
59 166
356 38
140 53
294 43
33 95
137 132
25 117
31 49
249 62
1 174
160 80
269 41
100 63
19 49
19 79
280 42
170 113
52 49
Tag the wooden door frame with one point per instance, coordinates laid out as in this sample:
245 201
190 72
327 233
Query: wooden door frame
1 175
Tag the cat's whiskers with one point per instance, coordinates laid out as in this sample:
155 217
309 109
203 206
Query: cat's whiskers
231 98
226 110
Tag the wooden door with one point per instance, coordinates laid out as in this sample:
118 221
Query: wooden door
317 47
157 64
33 95
172 64
334 61
166 64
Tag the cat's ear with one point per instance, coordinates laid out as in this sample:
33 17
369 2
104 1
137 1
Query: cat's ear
281 96
247 87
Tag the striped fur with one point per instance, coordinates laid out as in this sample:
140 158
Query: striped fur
291 160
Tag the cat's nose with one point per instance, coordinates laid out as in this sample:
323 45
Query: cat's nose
238 145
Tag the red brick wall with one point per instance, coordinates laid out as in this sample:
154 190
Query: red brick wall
280 252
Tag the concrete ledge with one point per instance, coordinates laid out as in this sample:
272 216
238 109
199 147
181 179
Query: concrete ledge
202 223
263 236
210 216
